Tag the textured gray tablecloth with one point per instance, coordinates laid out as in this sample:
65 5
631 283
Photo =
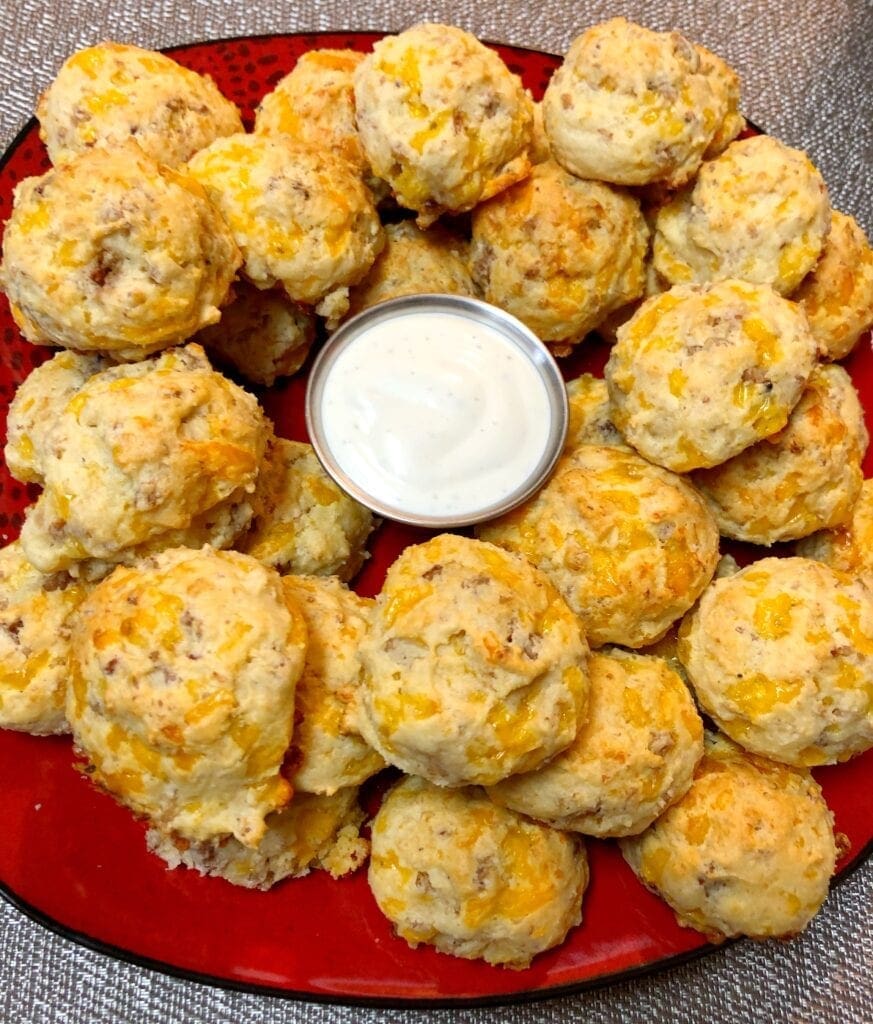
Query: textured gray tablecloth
805 72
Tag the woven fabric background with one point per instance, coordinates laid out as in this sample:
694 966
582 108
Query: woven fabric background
805 71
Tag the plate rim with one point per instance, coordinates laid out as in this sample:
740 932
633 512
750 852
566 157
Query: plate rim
123 955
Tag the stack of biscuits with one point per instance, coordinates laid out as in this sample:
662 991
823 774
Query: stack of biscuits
590 664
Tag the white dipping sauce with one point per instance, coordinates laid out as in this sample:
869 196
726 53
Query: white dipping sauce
435 413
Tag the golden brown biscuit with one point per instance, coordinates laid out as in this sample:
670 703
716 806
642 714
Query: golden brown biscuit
315 104
113 252
559 253
758 212
263 335
41 397
453 870
608 328
805 478
36 613
140 452
413 262
310 833
837 294
725 84
327 752
633 757
703 371
630 106
301 216
781 657
474 665
847 548
749 849
628 544
539 143
305 523
442 119
590 414
112 92
182 691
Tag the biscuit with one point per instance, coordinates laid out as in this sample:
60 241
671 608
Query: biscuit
847 548
725 85
628 544
442 119
36 612
39 398
182 690
414 262
112 252
263 335
590 414
559 253
781 658
305 523
749 850
633 757
327 752
703 371
474 665
310 833
453 870
140 451
758 212
805 478
301 216
112 92
539 143
315 104
837 294
630 106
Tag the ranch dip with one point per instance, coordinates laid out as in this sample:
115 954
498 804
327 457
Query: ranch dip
434 414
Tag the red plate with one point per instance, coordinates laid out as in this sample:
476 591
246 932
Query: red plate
76 862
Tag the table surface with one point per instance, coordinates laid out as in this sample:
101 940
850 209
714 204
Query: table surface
805 79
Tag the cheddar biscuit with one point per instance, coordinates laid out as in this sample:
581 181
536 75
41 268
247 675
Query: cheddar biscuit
36 613
39 398
559 253
847 548
414 262
630 106
474 665
703 371
758 212
327 752
115 253
310 833
315 104
837 294
725 85
452 870
304 522
805 478
263 335
749 850
781 657
140 454
590 414
182 695
106 94
633 757
442 119
628 544
301 216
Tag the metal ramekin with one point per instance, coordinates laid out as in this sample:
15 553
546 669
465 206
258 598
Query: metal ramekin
483 313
